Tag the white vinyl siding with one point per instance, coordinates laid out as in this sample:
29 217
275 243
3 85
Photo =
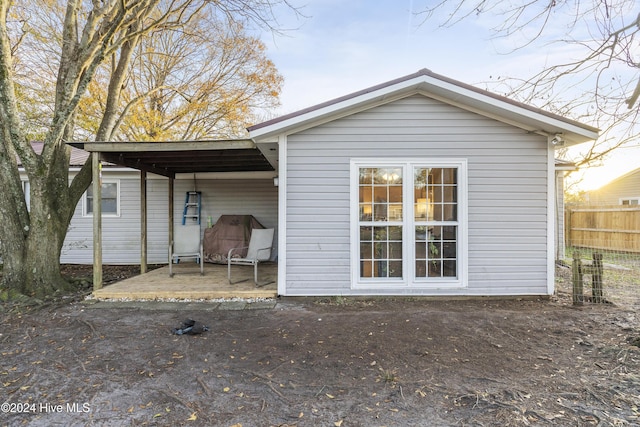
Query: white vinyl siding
257 197
507 195
26 188
121 235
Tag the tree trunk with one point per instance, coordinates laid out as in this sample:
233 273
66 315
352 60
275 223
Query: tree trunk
32 258
42 261
13 273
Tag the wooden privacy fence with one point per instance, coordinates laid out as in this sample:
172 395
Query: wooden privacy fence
614 228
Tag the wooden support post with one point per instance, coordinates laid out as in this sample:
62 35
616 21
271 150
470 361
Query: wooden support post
170 224
96 166
596 278
143 222
578 292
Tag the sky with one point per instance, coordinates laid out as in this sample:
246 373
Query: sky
342 46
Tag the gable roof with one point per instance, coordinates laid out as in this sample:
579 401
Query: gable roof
436 86
620 178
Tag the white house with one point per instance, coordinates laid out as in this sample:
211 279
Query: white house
422 185
419 186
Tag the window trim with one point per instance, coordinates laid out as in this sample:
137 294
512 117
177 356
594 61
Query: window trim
408 280
622 199
87 214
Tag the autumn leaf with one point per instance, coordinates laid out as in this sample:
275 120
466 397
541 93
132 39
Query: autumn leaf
193 417
330 396
338 423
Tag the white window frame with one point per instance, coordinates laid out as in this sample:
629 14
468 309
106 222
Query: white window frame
408 280
85 202
629 199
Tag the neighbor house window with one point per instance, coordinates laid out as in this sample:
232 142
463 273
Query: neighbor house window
110 199
630 201
408 225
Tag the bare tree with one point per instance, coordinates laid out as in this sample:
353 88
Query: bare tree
69 39
599 78
205 81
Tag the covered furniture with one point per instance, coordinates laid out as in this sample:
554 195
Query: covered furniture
186 244
229 231
259 249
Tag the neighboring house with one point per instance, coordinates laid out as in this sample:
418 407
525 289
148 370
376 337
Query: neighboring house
419 186
624 190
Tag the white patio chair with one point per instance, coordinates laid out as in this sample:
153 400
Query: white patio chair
259 249
187 243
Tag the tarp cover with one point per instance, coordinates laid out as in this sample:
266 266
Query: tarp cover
230 231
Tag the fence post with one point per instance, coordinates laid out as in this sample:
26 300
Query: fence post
596 278
576 271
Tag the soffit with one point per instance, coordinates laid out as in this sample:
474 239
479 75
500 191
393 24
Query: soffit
171 158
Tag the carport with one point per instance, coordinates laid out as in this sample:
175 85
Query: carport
168 159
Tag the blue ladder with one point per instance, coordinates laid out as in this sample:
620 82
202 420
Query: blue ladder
192 206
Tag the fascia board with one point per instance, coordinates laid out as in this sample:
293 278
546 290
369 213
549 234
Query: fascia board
506 112
337 110
444 91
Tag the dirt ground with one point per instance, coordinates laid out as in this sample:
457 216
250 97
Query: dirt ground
326 362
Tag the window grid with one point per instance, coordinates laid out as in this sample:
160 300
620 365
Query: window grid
435 222
427 242
380 216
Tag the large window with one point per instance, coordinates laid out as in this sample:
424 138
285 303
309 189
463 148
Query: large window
381 222
110 199
409 228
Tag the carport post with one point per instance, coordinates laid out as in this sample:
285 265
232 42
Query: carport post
170 225
96 171
143 222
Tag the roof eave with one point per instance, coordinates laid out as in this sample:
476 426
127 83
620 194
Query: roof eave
439 87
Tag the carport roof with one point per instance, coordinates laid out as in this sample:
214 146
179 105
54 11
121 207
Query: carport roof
171 158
